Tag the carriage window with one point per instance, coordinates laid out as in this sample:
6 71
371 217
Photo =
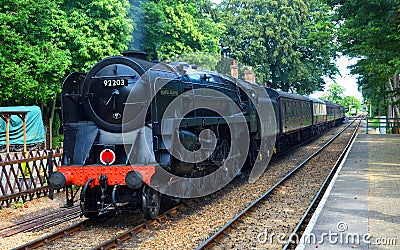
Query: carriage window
301 108
292 109
285 109
298 109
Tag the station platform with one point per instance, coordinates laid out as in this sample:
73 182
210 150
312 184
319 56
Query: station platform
361 207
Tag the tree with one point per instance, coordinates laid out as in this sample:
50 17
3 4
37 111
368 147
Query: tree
174 28
349 102
33 59
286 42
373 36
97 29
334 93
43 41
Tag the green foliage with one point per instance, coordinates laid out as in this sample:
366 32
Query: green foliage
97 29
287 42
173 28
43 41
57 141
56 125
334 93
373 35
18 204
349 102
31 51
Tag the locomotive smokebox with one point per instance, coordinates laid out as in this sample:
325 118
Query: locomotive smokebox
134 180
57 180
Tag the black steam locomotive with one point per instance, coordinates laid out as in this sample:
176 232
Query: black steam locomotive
134 129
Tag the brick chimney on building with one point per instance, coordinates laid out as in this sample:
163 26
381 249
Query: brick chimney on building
249 75
234 69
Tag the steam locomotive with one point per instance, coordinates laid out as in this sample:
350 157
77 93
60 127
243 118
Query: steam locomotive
134 129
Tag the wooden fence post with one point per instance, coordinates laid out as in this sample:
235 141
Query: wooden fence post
50 168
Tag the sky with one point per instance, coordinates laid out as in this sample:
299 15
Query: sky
345 79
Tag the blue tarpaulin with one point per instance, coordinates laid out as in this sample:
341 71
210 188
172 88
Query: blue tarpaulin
35 132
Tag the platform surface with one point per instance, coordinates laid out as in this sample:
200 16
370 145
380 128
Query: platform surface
362 208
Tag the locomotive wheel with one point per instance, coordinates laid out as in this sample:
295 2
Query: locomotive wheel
224 151
151 200
222 154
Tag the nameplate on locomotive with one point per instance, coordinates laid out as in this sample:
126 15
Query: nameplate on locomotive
169 92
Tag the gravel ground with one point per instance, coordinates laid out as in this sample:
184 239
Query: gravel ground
30 209
185 230
96 234
268 225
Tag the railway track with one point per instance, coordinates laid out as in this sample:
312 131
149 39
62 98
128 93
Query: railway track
299 229
54 236
40 222
133 232
80 226
224 231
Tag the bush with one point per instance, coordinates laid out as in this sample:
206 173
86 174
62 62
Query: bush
56 125
57 141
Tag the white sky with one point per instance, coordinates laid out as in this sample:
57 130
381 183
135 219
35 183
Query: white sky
348 81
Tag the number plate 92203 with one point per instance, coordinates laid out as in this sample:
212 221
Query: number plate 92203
114 82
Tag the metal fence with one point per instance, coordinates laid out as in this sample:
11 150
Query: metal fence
25 175
383 125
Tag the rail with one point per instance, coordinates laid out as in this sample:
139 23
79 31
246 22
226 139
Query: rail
383 124
311 208
24 175
131 233
40 222
111 243
54 236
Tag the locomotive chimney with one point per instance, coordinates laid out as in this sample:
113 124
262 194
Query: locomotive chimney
249 75
135 54
234 69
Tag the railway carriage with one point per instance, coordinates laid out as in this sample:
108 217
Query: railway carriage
295 112
319 112
335 113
